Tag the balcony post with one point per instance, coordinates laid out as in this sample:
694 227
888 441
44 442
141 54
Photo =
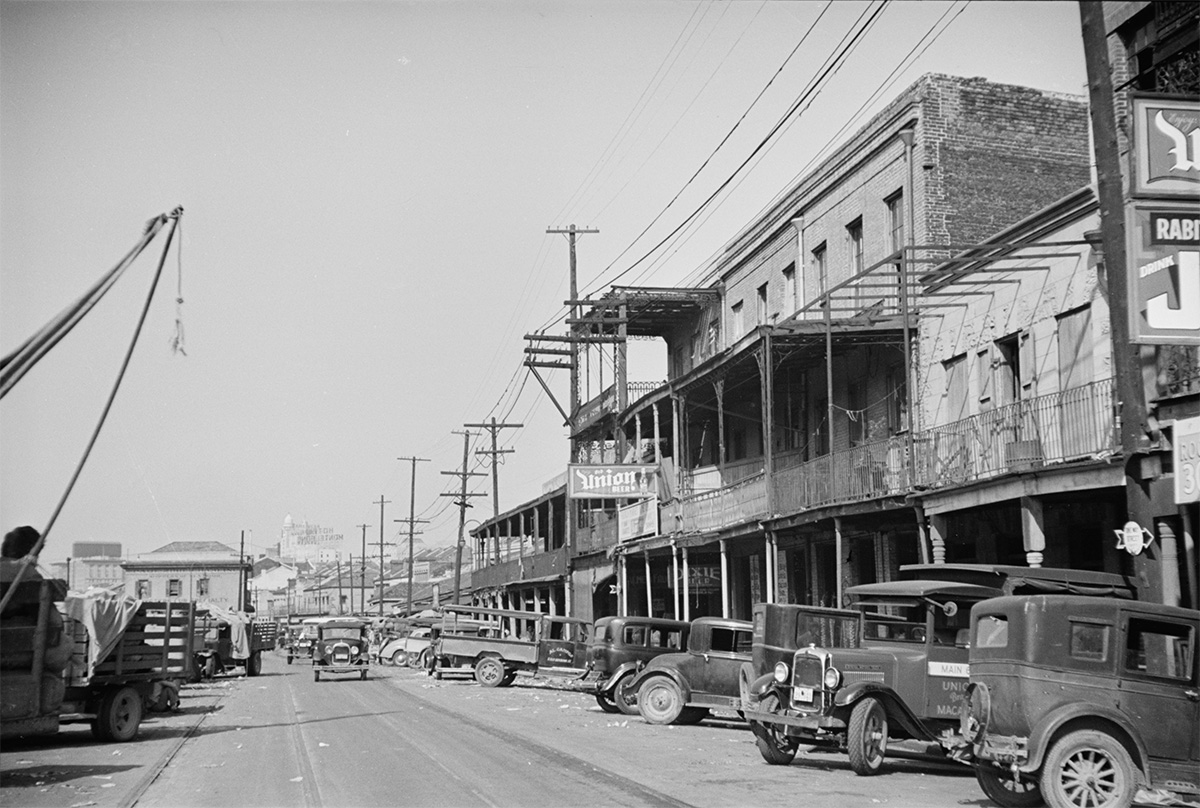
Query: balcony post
622 586
1033 530
769 567
657 441
675 578
687 586
724 579
837 549
649 595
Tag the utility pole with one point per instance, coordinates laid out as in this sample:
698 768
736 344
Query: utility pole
362 597
494 428
462 504
381 503
339 574
412 520
571 232
1135 442
572 507
242 573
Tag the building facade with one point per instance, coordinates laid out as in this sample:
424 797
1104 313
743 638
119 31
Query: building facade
305 541
203 571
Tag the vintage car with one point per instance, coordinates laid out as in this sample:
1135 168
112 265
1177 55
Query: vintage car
341 647
1080 701
413 649
494 645
683 688
301 643
620 647
903 676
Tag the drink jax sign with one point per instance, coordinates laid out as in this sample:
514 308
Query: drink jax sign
611 481
1162 223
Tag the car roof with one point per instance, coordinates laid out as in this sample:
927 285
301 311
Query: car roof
1090 606
665 622
724 622
1012 579
923 589
344 622
523 615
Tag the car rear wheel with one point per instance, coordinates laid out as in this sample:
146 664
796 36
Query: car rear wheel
489 672
400 658
624 698
119 715
659 701
316 675
773 743
607 704
289 659
1088 768
867 737
1002 789
254 664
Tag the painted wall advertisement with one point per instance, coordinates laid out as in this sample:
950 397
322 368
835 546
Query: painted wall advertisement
1185 450
1162 225
611 481
638 519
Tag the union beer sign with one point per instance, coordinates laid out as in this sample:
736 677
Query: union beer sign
611 481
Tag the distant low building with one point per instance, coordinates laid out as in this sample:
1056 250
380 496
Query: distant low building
203 571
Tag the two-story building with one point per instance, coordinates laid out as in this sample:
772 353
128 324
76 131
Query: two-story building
203 571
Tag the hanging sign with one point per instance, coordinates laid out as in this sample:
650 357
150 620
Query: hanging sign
1133 538
1185 452
1166 147
611 481
1163 255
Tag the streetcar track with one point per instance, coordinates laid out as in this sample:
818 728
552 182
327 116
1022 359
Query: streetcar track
639 793
308 783
157 769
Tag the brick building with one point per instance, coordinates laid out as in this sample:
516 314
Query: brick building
203 571
782 439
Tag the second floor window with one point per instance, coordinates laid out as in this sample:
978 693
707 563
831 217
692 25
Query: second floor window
201 587
854 235
142 590
789 290
739 325
174 588
762 304
895 210
820 267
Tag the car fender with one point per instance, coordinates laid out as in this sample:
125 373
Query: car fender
897 711
762 686
611 681
666 673
1046 729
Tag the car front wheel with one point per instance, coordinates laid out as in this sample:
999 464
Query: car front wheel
119 715
1088 769
624 698
1002 789
659 701
400 658
773 743
867 737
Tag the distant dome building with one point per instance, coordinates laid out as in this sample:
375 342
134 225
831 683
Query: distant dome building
304 541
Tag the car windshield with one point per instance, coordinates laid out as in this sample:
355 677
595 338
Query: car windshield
339 633
906 623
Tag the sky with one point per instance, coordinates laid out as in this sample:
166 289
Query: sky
366 189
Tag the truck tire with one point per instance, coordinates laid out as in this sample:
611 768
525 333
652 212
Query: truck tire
289 659
867 737
623 698
1089 768
119 715
316 674
1002 789
773 743
489 672
254 664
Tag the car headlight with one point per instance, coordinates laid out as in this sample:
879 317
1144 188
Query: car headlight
833 678
781 672
354 651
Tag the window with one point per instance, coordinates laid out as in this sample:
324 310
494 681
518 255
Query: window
857 414
991 631
895 212
983 379
1161 49
897 409
789 290
201 587
1089 641
1075 348
731 641
695 347
820 267
956 388
1159 648
142 590
714 331
762 304
635 635
174 588
739 324
1014 368
854 234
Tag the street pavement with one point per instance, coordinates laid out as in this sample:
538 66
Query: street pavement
401 738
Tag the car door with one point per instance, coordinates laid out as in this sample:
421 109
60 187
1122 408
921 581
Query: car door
717 674
1158 680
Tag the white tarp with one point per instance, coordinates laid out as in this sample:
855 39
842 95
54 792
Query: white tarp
239 626
105 615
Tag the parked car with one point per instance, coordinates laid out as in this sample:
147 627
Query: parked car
227 639
493 645
1079 701
301 645
341 647
683 688
620 647
409 650
902 677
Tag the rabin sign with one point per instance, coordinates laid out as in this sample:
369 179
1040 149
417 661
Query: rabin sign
611 482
